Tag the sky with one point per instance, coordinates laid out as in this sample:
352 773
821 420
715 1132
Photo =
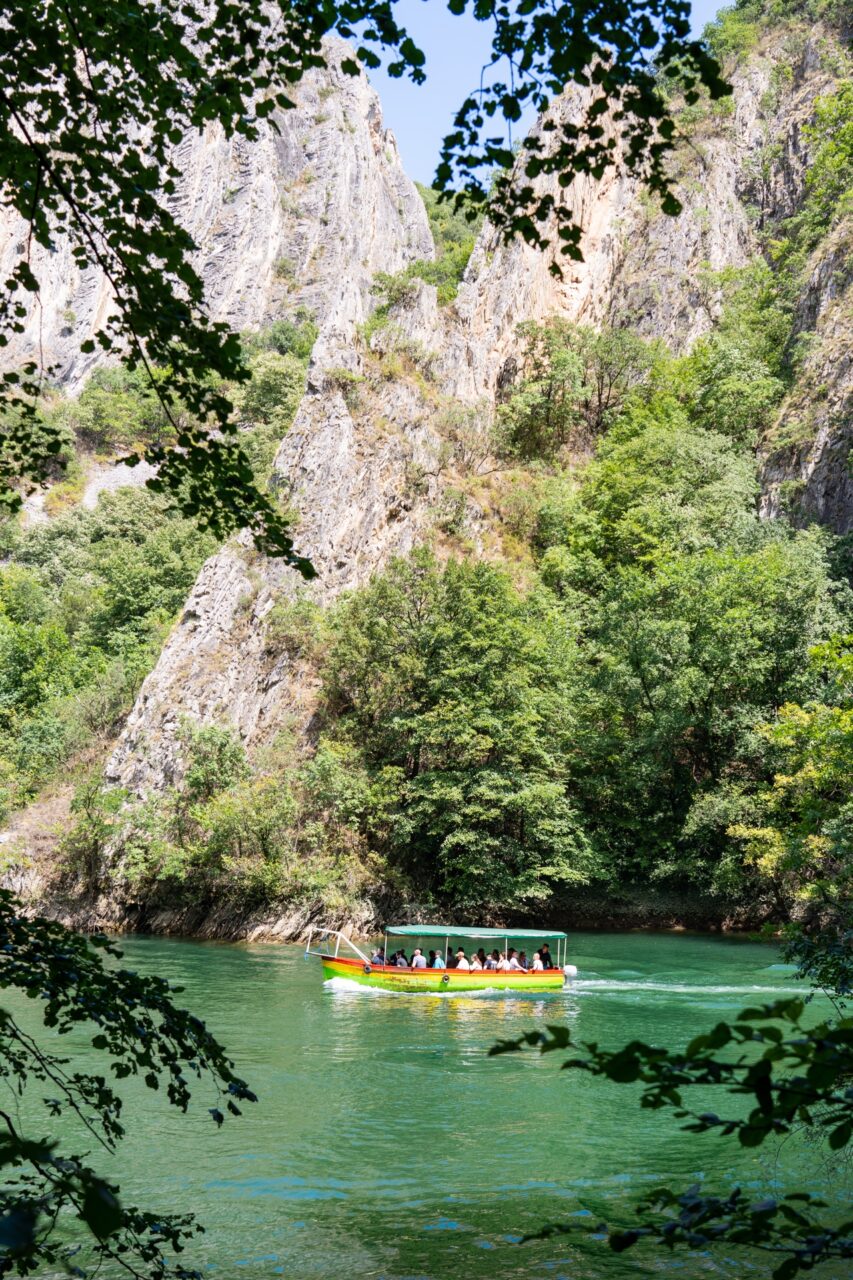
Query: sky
455 48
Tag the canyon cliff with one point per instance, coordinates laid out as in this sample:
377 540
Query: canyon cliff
367 483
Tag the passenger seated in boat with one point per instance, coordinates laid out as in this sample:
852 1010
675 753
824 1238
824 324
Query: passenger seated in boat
502 964
512 960
436 960
401 962
544 951
481 956
491 962
476 963
537 965
523 961
462 960
378 956
418 961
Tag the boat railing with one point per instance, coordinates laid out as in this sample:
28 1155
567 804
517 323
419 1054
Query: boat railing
325 936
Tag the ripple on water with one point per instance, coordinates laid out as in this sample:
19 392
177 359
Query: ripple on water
386 1141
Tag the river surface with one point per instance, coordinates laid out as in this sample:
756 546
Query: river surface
387 1144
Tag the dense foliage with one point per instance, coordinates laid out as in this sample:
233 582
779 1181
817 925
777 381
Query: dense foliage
135 1024
574 384
86 598
283 831
456 690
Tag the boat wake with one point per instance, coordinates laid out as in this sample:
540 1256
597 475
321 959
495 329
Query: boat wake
581 985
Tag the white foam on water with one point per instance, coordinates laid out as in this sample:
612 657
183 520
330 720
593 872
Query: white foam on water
679 988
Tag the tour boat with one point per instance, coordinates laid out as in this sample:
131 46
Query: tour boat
389 977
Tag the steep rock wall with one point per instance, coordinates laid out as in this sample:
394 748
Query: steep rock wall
304 215
806 472
348 469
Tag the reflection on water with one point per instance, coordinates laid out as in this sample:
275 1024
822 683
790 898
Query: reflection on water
387 1144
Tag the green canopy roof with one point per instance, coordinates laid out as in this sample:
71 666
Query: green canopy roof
453 931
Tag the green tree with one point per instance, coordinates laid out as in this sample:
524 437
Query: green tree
119 409
798 836
830 174
34 663
287 337
573 383
454 229
681 667
656 488
275 389
455 687
84 607
736 376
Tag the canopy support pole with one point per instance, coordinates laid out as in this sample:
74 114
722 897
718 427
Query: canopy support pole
447 952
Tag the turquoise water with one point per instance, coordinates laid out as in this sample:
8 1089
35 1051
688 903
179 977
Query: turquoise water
387 1144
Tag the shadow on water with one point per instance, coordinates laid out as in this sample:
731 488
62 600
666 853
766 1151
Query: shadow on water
388 1144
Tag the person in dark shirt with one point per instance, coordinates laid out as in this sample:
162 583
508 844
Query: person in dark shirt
547 959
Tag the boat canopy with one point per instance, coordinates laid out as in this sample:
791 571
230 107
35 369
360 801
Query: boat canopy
453 931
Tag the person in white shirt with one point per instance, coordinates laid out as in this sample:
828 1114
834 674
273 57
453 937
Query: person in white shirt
461 960
512 963
418 959
503 963
537 965
476 962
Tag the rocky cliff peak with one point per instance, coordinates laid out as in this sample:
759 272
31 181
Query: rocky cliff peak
308 218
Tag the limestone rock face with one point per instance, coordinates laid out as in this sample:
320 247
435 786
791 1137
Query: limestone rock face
806 470
304 215
738 165
307 218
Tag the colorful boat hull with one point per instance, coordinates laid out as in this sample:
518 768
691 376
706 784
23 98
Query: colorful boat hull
390 978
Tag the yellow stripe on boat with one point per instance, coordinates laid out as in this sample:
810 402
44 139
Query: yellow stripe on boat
391 978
